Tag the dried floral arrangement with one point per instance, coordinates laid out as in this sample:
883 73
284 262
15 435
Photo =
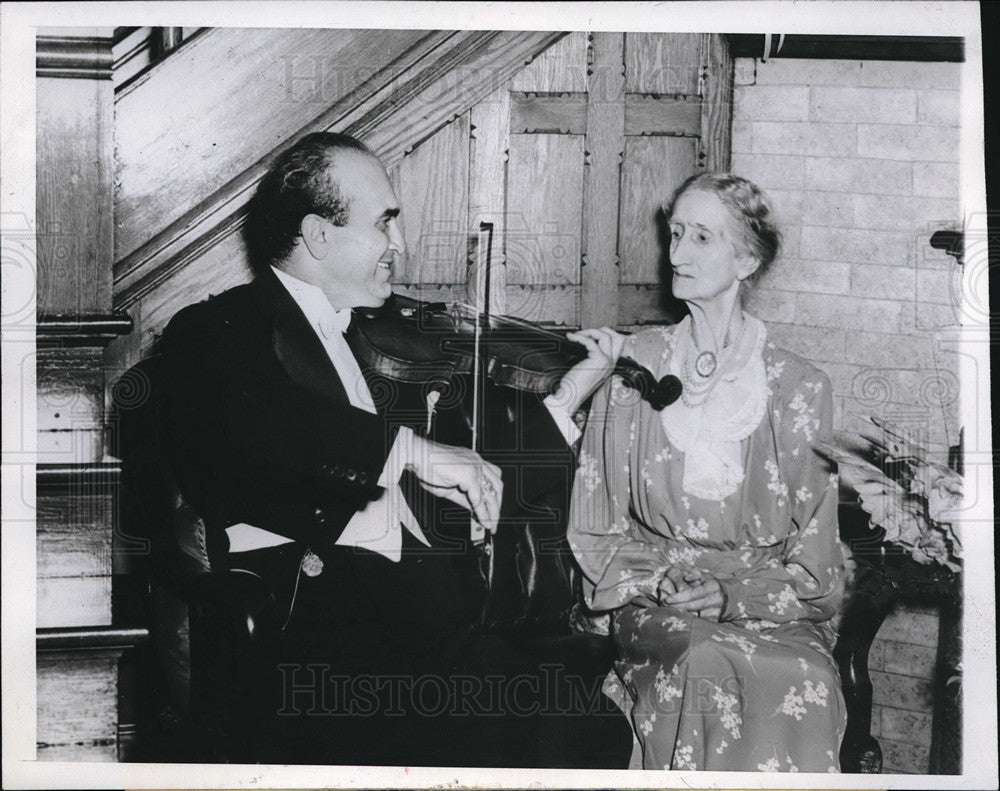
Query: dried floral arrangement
908 495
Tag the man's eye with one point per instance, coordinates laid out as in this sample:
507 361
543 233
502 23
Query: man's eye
703 237
676 234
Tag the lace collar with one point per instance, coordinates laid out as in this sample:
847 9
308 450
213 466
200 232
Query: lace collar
709 433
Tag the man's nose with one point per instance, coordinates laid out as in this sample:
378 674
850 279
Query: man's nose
397 242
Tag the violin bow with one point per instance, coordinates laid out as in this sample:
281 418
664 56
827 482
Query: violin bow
484 254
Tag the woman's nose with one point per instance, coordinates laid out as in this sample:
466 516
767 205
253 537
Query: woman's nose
678 251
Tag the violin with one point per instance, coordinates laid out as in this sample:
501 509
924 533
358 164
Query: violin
430 342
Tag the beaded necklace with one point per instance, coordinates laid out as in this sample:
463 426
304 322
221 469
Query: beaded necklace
700 377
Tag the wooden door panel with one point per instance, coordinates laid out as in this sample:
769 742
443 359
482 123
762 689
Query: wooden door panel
560 68
432 183
559 305
663 63
544 209
653 167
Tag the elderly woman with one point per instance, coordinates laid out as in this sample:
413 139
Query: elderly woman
708 531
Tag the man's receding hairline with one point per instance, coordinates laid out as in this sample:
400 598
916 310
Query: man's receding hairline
333 174
334 156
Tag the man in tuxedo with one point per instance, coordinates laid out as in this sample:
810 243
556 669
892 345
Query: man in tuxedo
345 505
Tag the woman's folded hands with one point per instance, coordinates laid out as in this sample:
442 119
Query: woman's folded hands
691 590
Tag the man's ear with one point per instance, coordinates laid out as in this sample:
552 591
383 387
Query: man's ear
315 235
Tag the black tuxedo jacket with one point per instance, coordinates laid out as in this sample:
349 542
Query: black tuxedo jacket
262 430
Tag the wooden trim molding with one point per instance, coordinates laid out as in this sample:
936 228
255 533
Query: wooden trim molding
76 478
673 116
718 74
566 114
602 176
85 58
147 46
949 49
392 113
87 330
548 113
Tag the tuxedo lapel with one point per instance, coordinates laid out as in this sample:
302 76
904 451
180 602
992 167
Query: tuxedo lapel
296 345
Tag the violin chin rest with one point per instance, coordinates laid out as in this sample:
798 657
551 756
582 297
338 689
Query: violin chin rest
667 390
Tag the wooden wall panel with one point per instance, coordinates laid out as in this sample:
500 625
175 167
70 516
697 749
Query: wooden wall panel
73 601
663 62
549 305
653 167
73 536
432 183
544 209
77 702
70 389
74 195
488 191
444 87
72 446
644 304
406 102
562 67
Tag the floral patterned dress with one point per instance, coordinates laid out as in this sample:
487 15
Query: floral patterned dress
757 689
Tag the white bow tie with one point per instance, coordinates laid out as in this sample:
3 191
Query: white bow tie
334 322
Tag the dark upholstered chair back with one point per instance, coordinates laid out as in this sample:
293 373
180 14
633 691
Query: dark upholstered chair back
186 589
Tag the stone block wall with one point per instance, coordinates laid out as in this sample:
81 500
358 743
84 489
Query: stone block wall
860 159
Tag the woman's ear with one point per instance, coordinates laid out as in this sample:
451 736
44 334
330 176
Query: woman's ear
749 264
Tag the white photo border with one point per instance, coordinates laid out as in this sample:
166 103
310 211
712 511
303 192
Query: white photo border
17 71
